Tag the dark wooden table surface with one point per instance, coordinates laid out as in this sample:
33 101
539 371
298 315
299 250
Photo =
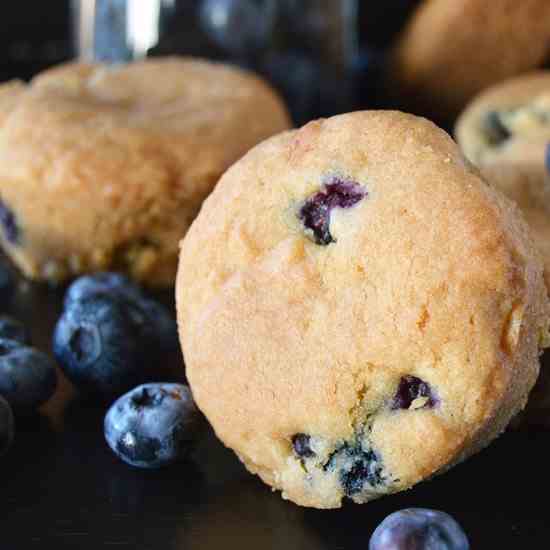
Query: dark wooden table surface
62 488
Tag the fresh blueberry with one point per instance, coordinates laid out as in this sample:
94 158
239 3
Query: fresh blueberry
153 425
411 388
101 348
27 376
7 426
495 130
12 329
8 223
97 283
315 212
419 529
302 445
157 324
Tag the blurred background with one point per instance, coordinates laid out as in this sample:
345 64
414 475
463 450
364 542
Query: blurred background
33 36
324 56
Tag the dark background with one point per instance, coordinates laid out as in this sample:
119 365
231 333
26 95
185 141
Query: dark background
33 36
61 487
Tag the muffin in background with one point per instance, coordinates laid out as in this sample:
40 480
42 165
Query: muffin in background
105 167
505 131
451 50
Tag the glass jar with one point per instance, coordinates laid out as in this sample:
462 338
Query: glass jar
306 48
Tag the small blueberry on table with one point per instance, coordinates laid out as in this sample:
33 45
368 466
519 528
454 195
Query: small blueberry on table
419 529
27 376
153 425
111 336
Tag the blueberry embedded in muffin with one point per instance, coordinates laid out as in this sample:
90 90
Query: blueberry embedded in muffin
359 468
414 393
302 445
8 223
494 129
354 466
524 121
315 212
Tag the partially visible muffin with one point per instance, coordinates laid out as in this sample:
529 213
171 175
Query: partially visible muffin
501 121
451 50
105 167
358 309
505 131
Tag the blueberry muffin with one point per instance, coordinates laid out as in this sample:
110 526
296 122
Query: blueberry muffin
505 131
358 309
450 51
105 167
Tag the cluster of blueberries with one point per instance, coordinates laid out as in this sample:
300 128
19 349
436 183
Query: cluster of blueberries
27 376
113 338
111 341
